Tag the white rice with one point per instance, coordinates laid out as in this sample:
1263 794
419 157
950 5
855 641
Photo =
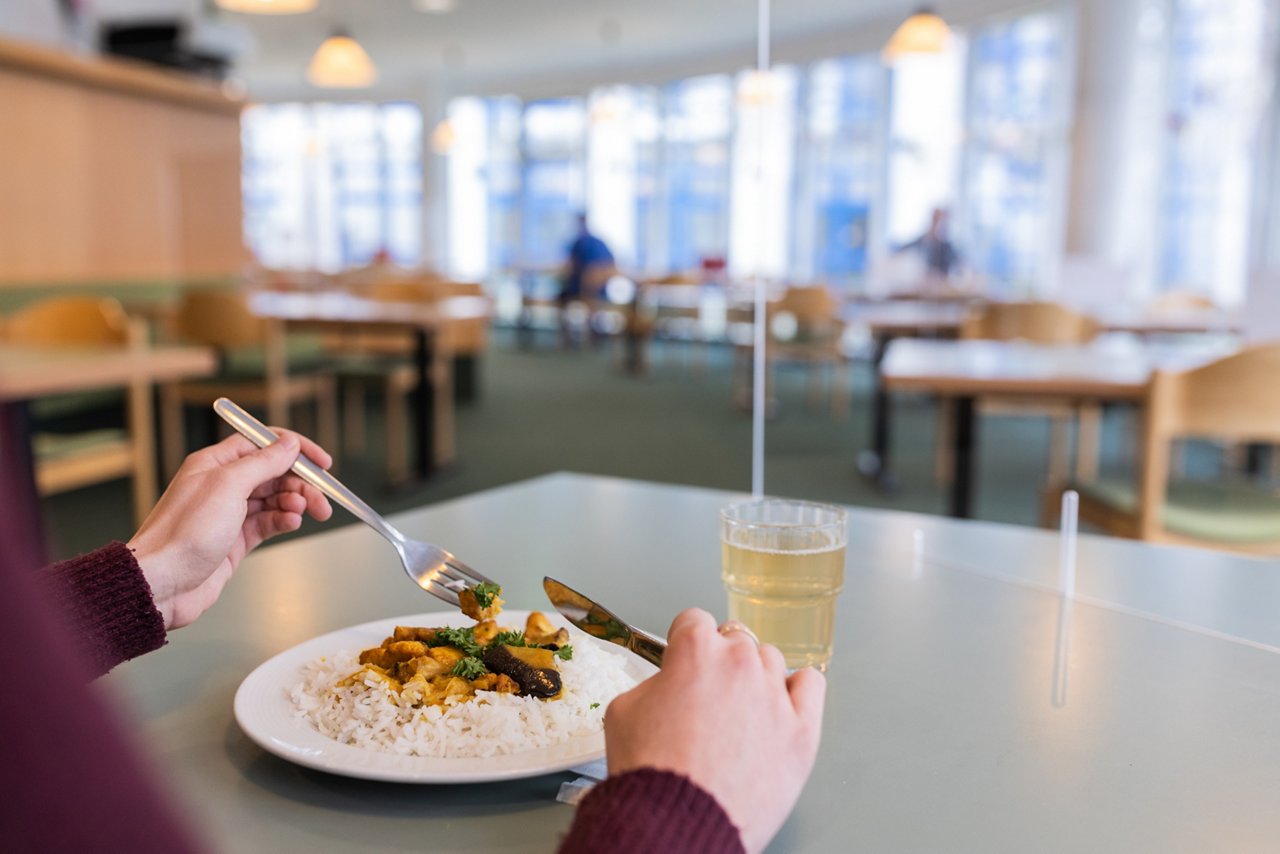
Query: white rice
370 714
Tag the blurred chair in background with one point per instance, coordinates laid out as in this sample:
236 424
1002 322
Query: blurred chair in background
1233 398
386 362
260 367
1038 323
804 326
1181 302
70 460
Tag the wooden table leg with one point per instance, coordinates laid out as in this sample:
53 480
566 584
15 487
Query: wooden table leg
426 405
962 480
277 374
1088 442
142 437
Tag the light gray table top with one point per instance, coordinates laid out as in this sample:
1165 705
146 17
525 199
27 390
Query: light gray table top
1116 367
942 730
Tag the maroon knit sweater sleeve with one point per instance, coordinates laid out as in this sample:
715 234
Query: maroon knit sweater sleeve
107 604
649 810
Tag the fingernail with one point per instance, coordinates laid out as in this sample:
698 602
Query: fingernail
289 440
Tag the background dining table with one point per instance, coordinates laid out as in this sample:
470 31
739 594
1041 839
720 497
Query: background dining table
340 311
971 706
27 373
1114 370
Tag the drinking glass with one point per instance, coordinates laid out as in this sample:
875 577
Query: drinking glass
782 563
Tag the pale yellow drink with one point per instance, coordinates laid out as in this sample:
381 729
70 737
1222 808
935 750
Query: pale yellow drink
782 564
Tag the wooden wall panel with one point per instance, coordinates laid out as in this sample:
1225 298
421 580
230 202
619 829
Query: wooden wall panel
103 180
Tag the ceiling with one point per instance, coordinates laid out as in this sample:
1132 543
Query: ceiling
489 45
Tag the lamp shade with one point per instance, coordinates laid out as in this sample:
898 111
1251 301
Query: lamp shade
923 32
443 137
268 7
341 63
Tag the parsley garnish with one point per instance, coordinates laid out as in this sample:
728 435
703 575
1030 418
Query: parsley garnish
470 668
508 638
463 638
595 705
484 593
565 652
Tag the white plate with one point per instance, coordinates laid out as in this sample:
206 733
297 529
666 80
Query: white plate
266 714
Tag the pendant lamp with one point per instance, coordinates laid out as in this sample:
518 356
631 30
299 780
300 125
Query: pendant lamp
341 63
268 7
923 32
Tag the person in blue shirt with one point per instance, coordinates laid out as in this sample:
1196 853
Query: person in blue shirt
935 247
589 266
589 259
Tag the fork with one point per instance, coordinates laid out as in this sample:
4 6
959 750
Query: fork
432 568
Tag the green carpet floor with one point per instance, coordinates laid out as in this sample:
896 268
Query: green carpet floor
543 410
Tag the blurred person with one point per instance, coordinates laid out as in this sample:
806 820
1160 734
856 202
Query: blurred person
939 254
588 266
677 782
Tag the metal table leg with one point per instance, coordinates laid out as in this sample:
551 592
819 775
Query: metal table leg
963 459
874 463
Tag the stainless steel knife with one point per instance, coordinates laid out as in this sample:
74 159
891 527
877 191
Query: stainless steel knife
598 621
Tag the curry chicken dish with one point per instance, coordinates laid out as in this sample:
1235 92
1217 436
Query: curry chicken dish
433 664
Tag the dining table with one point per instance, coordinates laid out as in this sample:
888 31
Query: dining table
1106 370
340 311
981 696
31 372
884 321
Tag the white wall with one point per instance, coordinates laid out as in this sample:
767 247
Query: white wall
1113 201
33 20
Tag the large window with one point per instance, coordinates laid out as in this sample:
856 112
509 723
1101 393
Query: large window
1216 63
482 144
763 158
554 184
1015 149
623 129
697 122
925 124
841 168
329 186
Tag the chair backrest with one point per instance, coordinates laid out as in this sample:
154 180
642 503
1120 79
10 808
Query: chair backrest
449 288
1038 322
805 314
809 303
1181 302
1232 398
70 321
218 318
680 278
404 290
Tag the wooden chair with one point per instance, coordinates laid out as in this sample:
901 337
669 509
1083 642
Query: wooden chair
261 367
1233 398
1039 323
804 326
69 461
1181 302
658 315
386 362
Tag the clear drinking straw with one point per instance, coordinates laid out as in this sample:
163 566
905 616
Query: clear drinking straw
758 348
1067 584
